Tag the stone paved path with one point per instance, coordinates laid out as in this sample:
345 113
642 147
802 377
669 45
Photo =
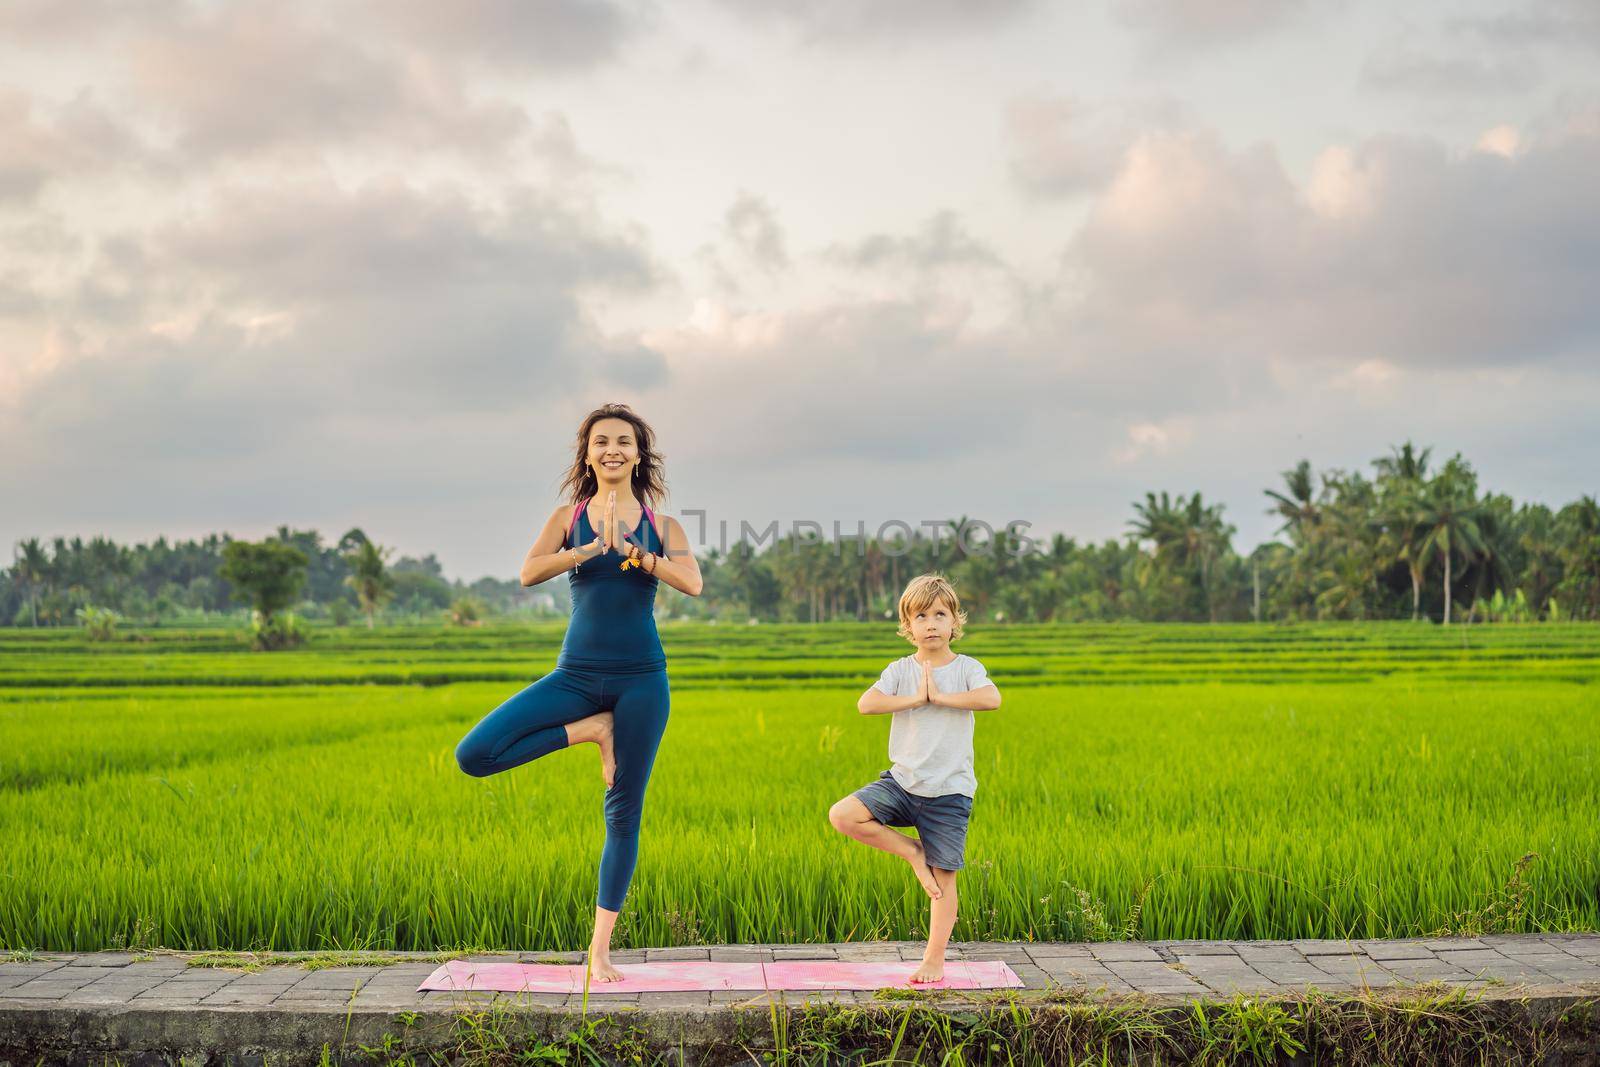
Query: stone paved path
120 981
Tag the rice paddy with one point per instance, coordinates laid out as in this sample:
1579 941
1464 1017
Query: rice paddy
1167 781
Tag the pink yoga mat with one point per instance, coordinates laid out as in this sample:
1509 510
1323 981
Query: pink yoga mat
699 974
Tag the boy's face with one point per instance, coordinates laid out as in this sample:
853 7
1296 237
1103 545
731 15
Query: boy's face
931 627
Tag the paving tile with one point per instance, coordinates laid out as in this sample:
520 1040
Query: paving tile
1230 984
1327 948
1297 975
1071 970
541 957
868 953
1200 948
1124 952
1425 970
1056 950
1033 976
676 999
58 978
160 966
540 1000
1152 977
114 959
88 972
87 996
1582 946
739 996
31 968
37 990
338 975
269 978
1276 953
1561 970
183 989
168 997
657 955
1220 963
240 996
313 996
1396 950
1470 957
125 986
740 954
1453 944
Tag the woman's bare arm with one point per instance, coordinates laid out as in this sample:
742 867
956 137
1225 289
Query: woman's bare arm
678 567
547 558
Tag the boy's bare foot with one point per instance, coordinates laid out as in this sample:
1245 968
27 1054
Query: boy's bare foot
600 969
919 864
597 728
930 971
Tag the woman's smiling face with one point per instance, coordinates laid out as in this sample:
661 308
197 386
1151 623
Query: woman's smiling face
613 447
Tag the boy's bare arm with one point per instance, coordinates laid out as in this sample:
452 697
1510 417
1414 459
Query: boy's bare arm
876 702
983 698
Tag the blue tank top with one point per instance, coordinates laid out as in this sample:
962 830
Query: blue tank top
613 623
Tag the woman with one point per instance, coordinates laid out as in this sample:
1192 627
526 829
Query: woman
610 682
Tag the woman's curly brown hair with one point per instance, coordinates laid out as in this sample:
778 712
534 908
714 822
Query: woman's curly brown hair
649 483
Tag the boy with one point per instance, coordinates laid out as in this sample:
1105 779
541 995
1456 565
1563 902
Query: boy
932 694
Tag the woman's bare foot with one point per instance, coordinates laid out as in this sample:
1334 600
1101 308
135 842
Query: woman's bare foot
597 728
919 864
600 969
930 971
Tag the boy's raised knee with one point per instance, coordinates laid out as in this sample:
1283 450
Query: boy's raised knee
845 814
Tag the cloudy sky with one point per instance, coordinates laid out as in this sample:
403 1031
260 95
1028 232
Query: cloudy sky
369 262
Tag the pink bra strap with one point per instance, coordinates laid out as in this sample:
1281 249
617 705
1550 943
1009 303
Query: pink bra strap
577 511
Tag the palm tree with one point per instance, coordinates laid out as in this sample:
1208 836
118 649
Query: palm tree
1402 477
1406 465
1301 509
1541 546
1451 518
1402 534
1298 508
369 578
1579 524
30 570
1158 522
1185 532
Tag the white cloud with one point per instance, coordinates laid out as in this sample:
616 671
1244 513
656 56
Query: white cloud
1397 249
1502 140
1152 439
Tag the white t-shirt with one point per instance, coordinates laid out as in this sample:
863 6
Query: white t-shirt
931 745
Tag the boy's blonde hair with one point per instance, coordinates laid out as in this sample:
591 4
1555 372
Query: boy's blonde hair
922 592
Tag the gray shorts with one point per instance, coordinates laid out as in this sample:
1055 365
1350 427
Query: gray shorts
941 822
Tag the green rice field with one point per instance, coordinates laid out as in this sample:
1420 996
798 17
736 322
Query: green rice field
1238 781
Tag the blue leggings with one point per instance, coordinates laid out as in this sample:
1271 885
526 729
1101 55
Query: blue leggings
532 724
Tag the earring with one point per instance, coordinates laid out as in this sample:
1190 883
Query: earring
636 470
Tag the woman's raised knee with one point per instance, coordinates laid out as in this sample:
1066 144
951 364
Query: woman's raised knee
472 760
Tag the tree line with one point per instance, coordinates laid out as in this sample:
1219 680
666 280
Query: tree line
1407 541
293 572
